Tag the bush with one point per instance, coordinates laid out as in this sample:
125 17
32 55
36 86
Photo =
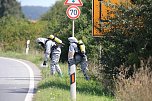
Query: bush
16 31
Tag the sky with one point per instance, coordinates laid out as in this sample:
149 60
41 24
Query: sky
45 3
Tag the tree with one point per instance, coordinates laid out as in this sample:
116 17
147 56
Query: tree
10 8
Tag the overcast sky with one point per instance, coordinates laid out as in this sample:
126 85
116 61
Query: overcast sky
45 3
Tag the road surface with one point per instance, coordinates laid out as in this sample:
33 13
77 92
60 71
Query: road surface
18 79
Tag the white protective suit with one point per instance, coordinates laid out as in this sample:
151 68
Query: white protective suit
75 58
53 52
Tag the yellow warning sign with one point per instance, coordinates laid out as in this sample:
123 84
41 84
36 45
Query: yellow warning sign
102 12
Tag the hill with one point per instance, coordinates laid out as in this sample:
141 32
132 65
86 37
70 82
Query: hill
34 12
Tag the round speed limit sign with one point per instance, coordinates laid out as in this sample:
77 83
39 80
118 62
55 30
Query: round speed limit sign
73 12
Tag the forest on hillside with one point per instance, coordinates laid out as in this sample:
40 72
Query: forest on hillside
34 12
122 48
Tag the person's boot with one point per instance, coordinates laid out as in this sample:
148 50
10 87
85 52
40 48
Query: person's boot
87 77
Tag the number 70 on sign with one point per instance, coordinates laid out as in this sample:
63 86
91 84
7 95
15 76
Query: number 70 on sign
73 12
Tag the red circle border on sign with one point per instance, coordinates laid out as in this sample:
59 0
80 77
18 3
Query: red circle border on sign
73 6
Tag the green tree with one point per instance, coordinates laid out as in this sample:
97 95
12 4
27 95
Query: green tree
10 8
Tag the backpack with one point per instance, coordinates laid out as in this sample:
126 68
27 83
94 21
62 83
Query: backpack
81 48
55 39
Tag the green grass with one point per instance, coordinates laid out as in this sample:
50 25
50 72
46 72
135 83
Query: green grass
58 89
55 88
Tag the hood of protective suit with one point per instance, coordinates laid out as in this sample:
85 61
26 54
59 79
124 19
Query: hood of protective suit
72 39
42 40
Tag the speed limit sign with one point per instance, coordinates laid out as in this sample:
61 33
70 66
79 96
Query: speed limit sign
73 12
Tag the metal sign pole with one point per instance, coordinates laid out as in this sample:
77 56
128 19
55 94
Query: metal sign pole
73 28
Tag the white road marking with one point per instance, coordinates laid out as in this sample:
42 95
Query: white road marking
29 95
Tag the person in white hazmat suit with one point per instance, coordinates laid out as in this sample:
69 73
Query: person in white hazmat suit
51 51
75 57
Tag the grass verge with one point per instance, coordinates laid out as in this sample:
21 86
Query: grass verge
55 88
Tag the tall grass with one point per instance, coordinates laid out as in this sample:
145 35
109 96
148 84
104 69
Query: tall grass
137 88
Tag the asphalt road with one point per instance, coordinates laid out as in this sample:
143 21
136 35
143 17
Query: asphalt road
18 79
